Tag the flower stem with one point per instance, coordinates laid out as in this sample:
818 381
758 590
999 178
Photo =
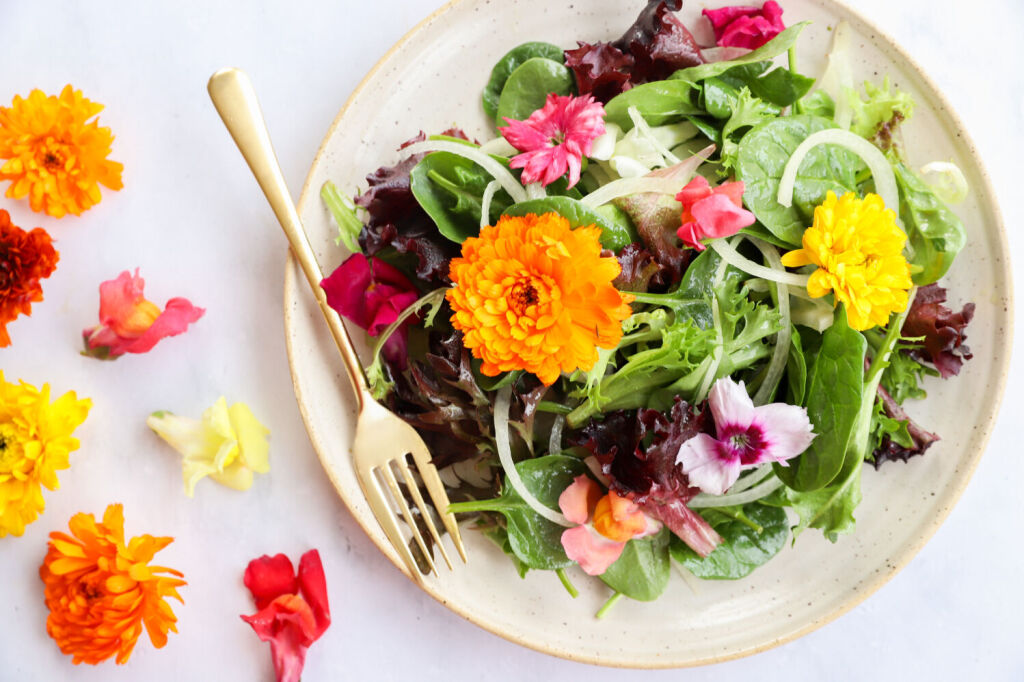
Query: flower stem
603 611
566 583
798 108
557 408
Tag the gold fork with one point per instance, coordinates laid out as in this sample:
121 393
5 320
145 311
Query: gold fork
382 438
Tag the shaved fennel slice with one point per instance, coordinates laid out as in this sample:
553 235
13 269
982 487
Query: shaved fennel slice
741 262
485 203
499 146
780 355
881 171
946 180
837 80
704 501
645 131
663 181
501 435
497 171
555 441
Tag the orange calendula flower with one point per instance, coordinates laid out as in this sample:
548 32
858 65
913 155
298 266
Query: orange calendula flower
531 293
102 591
55 155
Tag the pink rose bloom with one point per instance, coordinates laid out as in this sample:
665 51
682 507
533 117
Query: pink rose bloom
372 294
711 212
748 27
131 324
606 524
555 138
747 437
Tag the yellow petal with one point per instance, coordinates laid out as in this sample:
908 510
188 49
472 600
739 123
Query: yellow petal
252 438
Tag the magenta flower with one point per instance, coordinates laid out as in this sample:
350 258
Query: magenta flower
711 212
747 436
748 27
372 294
555 138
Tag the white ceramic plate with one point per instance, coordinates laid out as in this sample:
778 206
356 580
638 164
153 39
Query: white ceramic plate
432 79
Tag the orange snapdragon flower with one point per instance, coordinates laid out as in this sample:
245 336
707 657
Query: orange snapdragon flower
102 591
55 155
531 293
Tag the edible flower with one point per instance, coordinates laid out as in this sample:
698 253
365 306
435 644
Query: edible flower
711 212
55 155
606 524
129 323
747 27
372 294
746 437
35 443
101 591
228 444
858 248
293 609
25 259
555 138
531 293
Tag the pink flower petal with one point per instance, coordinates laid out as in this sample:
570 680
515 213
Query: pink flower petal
592 551
746 27
731 406
691 235
268 577
719 217
786 428
174 320
702 461
313 587
733 190
577 501
119 296
694 191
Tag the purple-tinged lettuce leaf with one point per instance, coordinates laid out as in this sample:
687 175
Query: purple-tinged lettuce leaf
659 43
601 70
943 331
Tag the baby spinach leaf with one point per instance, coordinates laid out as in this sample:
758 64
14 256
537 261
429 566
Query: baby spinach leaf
450 189
751 535
616 228
659 102
935 233
499 536
535 541
509 63
833 401
796 369
761 160
642 571
779 86
529 85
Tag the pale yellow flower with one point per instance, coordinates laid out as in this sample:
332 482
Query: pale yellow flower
228 444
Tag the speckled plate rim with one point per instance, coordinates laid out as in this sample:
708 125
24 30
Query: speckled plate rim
367 522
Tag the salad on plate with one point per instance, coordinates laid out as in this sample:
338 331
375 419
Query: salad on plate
673 305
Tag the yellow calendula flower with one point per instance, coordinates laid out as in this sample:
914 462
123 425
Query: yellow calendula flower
56 152
35 443
228 444
858 248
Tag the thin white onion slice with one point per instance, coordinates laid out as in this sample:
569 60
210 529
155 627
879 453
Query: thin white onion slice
645 131
738 260
663 181
501 435
535 190
485 203
499 146
946 180
780 355
881 171
497 171
704 501
555 442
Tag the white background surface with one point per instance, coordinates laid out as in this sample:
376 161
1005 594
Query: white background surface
193 221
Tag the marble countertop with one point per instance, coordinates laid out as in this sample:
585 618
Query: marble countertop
191 218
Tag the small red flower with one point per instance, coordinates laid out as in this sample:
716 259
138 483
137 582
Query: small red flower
372 294
711 212
131 324
555 138
25 258
293 609
748 27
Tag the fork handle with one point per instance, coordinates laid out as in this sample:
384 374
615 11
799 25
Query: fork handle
233 96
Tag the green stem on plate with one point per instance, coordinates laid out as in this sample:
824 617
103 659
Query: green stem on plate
603 611
566 583
798 108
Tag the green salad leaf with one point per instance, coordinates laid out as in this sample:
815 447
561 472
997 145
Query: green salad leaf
751 535
617 229
829 509
762 158
450 189
642 571
512 60
833 402
529 85
935 233
534 540
781 87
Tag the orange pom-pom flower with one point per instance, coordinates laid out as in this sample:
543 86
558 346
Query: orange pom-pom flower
533 294
55 155
26 257
102 591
